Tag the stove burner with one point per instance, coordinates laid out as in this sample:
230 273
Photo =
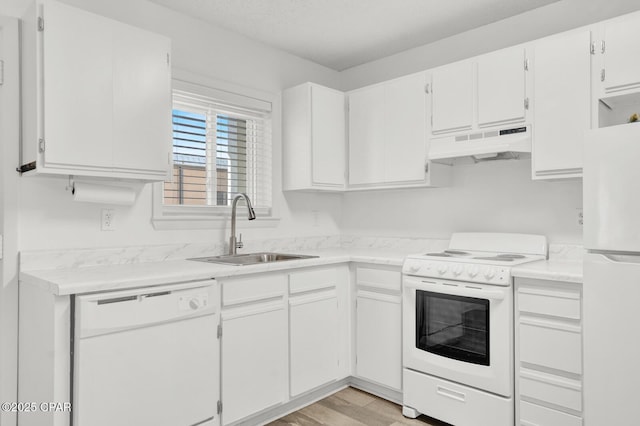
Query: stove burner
457 252
498 258
511 256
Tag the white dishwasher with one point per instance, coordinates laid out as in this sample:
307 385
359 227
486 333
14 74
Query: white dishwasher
147 356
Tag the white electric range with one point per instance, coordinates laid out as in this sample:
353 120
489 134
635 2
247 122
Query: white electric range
458 328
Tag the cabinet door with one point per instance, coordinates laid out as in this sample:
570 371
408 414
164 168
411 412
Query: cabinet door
366 136
313 322
452 97
254 359
77 88
328 136
141 100
561 93
501 87
405 136
621 62
378 338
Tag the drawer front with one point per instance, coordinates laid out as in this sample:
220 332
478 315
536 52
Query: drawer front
379 278
545 343
556 390
535 415
559 302
312 280
246 290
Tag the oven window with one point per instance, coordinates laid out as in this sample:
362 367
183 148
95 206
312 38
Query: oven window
455 327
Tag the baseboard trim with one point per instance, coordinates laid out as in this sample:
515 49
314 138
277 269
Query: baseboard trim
316 395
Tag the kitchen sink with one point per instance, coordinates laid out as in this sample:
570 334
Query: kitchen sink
251 258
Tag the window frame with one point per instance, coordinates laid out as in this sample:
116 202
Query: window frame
211 216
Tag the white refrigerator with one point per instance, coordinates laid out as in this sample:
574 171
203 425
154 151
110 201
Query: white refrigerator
612 275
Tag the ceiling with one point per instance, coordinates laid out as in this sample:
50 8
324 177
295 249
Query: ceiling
341 34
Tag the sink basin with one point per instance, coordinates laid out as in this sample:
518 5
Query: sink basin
251 258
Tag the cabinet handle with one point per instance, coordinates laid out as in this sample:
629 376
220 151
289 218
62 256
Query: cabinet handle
602 75
602 46
427 89
526 103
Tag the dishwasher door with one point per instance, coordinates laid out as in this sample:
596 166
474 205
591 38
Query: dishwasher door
147 357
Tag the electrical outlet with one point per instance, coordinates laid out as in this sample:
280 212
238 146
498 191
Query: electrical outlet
580 217
108 220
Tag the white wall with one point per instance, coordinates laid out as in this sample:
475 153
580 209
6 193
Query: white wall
8 215
49 219
495 196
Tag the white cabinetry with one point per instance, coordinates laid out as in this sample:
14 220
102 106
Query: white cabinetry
254 345
388 136
562 104
452 97
486 91
314 138
501 87
314 329
366 136
378 326
96 96
621 71
548 353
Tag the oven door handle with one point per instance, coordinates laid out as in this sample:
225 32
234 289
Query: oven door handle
456 290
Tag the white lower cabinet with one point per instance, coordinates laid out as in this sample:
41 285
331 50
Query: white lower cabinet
548 353
379 326
314 330
254 345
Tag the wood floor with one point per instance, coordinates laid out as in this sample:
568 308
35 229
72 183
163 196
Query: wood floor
353 407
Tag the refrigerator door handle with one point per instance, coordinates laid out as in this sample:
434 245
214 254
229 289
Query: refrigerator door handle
621 258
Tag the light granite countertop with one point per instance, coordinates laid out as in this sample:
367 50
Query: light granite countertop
552 270
69 281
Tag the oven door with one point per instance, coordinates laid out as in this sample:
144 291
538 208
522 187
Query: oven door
460 332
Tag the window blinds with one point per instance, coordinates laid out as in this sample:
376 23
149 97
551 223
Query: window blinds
219 150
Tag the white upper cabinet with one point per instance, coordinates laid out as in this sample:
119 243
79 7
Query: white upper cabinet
561 101
619 47
314 138
96 96
452 97
367 135
406 129
388 136
501 87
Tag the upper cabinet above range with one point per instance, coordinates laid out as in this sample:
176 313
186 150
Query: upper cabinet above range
481 92
96 96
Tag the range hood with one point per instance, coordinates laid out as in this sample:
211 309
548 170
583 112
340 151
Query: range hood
482 145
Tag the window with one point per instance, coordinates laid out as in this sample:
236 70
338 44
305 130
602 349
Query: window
219 150
221 146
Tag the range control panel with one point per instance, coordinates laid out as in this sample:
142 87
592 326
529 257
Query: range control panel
470 272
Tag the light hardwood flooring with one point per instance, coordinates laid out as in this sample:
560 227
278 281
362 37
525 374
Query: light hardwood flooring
353 407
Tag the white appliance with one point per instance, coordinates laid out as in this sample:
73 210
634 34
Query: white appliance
611 275
147 357
458 328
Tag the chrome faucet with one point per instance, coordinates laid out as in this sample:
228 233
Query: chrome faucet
233 243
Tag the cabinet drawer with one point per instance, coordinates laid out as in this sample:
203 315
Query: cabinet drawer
535 415
550 344
556 390
311 280
379 278
245 290
559 302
